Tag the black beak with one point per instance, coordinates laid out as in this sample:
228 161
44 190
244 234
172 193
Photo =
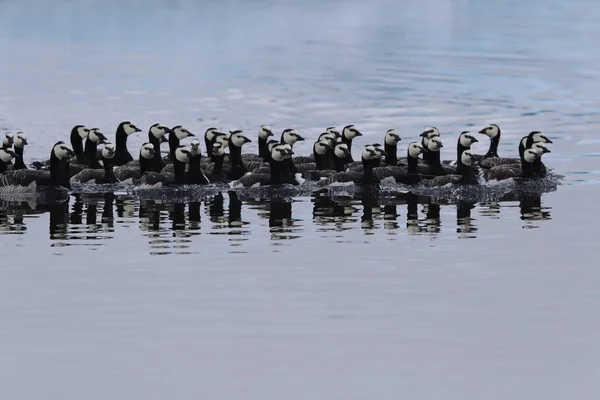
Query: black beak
483 130
357 133
474 140
190 134
135 128
424 134
299 138
549 141
546 150
246 140
269 133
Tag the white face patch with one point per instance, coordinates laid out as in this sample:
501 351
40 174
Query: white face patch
466 140
195 147
130 129
83 132
530 155
414 149
183 154
61 151
108 151
350 132
333 130
434 144
5 156
158 130
264 132
368 152
93 135
147 151
491 130
466 157
524 141
290 136
181 132
278 153
391 137
223 140
540 148
218 149
540 137
321 147
238 139
341 150
20 140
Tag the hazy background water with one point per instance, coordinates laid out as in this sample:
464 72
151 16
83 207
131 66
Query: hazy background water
101 303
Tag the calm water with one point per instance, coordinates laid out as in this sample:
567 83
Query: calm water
313 297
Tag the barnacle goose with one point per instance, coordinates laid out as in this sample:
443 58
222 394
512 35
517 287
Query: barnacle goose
157 180
6 156
236 141
157 135
390 145
368 158
349 133
407 175
132 171
467 173
99 175
20 141
29 180
426 135
122 155
525 143
195 175
278 174
507 171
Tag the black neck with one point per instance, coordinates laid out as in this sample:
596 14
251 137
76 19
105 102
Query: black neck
426 155
173 144
19 163
121 152
179 169
527 169
90 153
493 150
145 165
459 150
413 163
209 148
329 160
194 171
109 174
59 172
219 163
157 161
392 157
277 171
3 166
348 143
263 150
235 153
468 174
77 144
368 174
538 167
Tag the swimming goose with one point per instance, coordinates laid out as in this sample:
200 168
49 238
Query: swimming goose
426 135
407 175
525 143
156 136
122 155
467 173
132 171
195 176
278 173
25 180
493 132
6 156
368 158
214 171
264 133
177 134
182 157
101 174
507 171
20 141
236 141
7 140
93 139
349 133
390 145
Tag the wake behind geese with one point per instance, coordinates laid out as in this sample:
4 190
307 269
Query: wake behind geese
29 180
122 155
101 174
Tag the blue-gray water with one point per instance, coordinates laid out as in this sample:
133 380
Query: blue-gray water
287 300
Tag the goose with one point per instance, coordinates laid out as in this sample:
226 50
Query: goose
177 134
321 155
539 169
132 171
290 136
209 138
493 132
434 146
236 141
7 140
6 156
122 155
349 133
264 133
102 174
507 171
329 137
93 139
525 143
278 173
467 173
25 180
156 136
426 135
20 141
407 175
195 175
368 158
390 145
157 180
464 142
214 171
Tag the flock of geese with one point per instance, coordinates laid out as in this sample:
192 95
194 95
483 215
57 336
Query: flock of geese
93 159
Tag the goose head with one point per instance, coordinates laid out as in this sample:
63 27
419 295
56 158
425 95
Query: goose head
20 140
218 149
530 155
195 147
368 152
540 148
467 157
159 131
264 132
281 152
147 151
341 150
7 140
414 149
82 131
492 131
466 139
391 137
434 144
290 136
538 136
129 128
430 133
183 154
350 132
6 154
62 152
108 152
321 147
237 138
96 136
181 132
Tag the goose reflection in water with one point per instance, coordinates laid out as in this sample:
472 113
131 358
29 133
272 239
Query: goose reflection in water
170 227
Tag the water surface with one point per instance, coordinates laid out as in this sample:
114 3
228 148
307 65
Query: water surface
310 297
